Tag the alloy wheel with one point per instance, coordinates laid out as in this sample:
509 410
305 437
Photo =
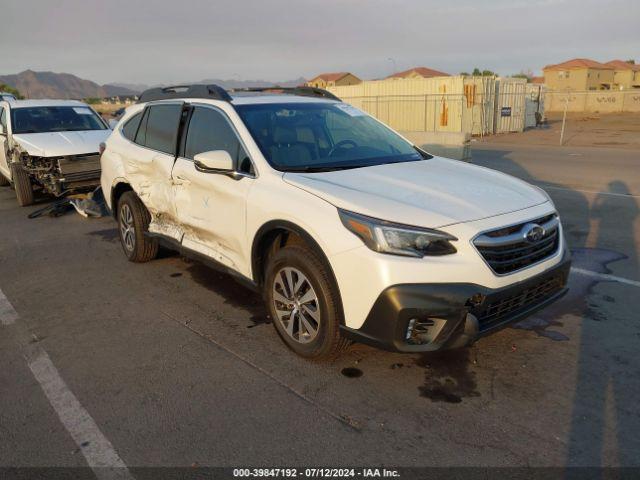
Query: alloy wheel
296 305
127 228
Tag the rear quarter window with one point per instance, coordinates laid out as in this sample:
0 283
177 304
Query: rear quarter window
131 127
161 129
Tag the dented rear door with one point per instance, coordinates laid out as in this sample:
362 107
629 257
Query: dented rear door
150 169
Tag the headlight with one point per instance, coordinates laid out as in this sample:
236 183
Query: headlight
386 237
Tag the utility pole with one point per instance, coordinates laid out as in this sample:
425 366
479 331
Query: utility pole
564 118
395 68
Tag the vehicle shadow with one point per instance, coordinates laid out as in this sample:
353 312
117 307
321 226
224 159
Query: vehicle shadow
604 420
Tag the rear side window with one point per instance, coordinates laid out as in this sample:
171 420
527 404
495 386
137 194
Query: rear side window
210 130
141 136
160 128
131 127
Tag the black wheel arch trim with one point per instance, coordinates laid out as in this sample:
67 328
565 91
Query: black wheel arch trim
120 187
257 260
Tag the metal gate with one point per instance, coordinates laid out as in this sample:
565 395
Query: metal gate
510 105
534 105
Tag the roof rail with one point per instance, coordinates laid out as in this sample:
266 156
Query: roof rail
303 91
185 91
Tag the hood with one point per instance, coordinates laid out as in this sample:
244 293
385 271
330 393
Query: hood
430 193
59 144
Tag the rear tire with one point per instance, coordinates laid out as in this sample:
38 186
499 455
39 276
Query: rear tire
304 303
133 224
22 185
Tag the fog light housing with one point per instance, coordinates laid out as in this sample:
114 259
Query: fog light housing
419 331
476 300
412 324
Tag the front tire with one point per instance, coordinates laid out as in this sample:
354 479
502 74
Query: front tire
133 223
22 184
304 303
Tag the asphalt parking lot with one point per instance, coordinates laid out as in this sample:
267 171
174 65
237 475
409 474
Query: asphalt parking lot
172 364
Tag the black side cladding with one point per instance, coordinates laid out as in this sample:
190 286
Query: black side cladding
214 92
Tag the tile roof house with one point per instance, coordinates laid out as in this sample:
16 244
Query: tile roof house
419 72
325 80
577 63
626 75
579 74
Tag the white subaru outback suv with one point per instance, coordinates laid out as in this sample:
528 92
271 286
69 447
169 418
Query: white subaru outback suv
349 231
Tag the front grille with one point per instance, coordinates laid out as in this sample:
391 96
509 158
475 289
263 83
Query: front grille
510 306
507 250
81 176
80 168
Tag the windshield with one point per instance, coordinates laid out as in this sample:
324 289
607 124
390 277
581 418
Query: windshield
322 136
54 119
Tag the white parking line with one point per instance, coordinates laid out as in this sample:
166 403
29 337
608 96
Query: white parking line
567 189
605 276
97 450
7 314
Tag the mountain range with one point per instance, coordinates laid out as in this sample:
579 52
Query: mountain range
65 85
59 85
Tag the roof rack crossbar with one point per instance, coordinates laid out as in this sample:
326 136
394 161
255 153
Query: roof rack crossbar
303 91
218 93
185 91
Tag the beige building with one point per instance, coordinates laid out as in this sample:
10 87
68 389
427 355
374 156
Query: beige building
579 74
419 72
338 79
625 75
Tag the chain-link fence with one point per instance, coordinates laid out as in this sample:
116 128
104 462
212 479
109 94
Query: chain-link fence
478 114
460 104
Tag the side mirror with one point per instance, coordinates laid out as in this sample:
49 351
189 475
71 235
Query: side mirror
214 161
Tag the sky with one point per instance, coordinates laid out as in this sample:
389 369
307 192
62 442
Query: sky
169 41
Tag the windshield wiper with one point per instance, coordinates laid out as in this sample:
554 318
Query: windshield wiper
326 168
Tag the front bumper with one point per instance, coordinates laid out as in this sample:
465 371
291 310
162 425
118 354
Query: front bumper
451 315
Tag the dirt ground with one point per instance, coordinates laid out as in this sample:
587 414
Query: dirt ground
612 130
106 110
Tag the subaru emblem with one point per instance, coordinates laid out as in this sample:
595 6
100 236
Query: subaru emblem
533 232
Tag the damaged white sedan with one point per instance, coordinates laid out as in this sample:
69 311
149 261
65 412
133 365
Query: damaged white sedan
50 145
